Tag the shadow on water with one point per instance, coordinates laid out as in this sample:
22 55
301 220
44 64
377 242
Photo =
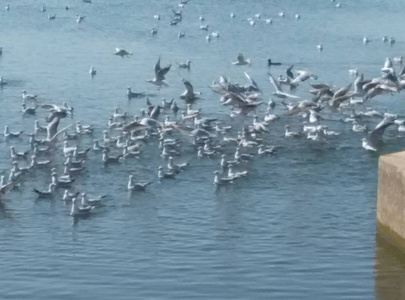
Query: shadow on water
389 271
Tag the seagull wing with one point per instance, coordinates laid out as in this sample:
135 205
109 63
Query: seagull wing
157 67
133 126
59 132
289 72
5 189
252 82
275 83
183 129
376 135
188 86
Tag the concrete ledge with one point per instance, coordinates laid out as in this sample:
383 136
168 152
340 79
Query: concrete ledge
391 198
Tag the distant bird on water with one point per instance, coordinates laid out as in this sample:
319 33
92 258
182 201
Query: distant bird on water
270 63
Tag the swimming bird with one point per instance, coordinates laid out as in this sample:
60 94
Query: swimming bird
52 17
358 128
189 95
241 61
204 27
47 193
79 19
86 201
163 175
221 180
92 71
28 97
266 151
176 167
121 52
78 210
18 155
69 196
185 65
236 175
137 186
10 134
131 94
2 81
154 31
43 8
28 110
270 63
289 133
181 35
110 159
366 40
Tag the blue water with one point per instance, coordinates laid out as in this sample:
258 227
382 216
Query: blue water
300 226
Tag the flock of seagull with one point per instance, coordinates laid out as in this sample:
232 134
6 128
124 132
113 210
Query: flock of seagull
173 126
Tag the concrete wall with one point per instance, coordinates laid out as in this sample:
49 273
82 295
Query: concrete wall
391 198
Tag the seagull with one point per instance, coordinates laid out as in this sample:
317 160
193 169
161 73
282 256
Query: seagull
156 17
241 61
17 155
319 47
79 19
265 151
9 134
160 74
2 81
121 52
185 65
297 16
176 167
92 71
30 97
131 94
48 193
365 40
221 181
189 95
86 201
77 210
279 93
138 186
269 21
110 159
374 138
358 128
289 133
69 196
28 110
162 175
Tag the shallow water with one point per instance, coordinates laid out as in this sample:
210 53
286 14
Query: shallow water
302 225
